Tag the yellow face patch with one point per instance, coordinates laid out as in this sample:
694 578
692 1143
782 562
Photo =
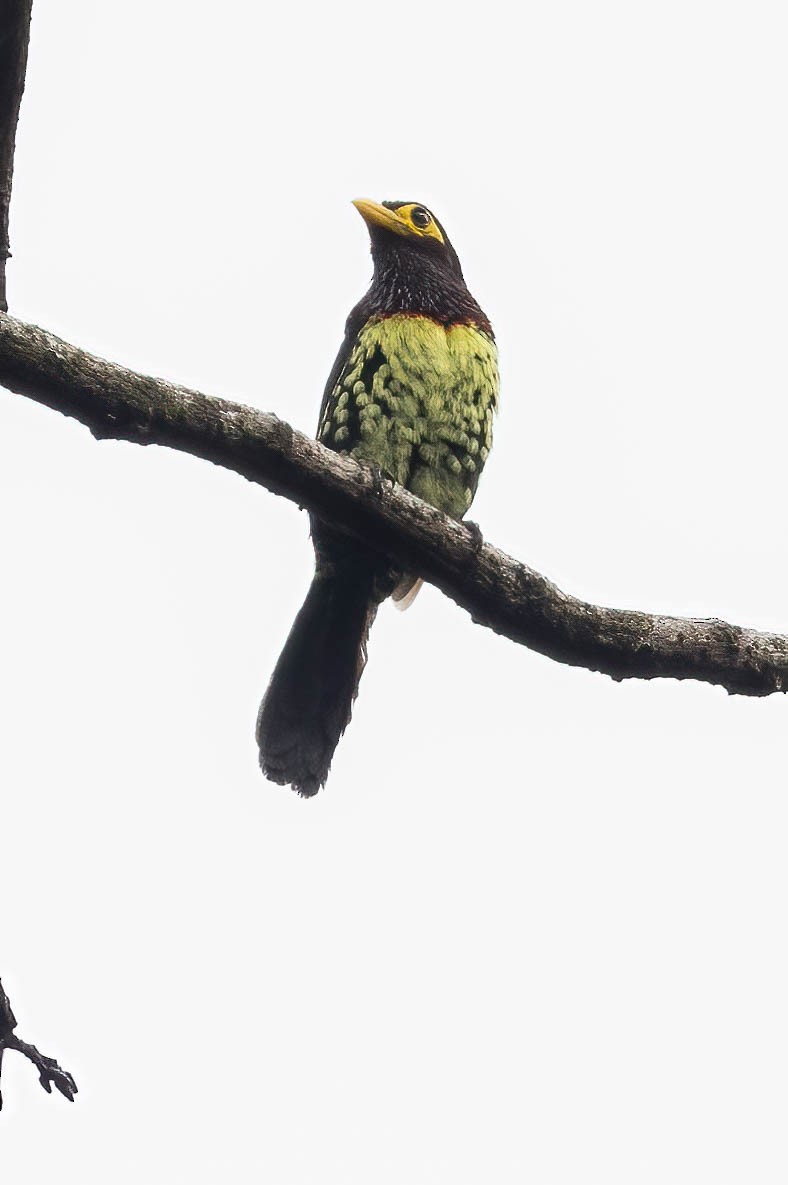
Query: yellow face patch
419 221
410 220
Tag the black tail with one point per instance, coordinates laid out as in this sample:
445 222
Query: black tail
308 702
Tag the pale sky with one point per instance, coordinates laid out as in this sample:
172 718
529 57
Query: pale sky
533 931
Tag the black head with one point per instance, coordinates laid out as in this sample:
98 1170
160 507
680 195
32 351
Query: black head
408 230
416 268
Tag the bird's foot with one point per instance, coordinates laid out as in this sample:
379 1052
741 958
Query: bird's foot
475 532
378 477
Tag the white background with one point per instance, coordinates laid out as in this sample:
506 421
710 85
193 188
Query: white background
535 928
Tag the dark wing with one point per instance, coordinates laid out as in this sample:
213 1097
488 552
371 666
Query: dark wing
355 322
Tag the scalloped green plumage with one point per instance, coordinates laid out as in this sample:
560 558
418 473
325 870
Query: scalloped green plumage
417 398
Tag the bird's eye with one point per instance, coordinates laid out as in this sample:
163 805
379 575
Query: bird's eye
420 217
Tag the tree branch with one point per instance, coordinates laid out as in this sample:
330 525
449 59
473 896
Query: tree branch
49 1072
14 38
495 589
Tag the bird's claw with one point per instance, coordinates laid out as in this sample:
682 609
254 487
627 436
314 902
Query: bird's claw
378 477
51 1074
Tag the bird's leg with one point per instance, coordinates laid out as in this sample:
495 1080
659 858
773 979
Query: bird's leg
49 1072
378 477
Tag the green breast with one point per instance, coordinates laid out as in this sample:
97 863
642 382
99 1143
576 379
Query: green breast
417 399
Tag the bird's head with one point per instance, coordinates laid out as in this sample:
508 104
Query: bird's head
409 235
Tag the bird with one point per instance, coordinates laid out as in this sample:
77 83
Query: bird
412 394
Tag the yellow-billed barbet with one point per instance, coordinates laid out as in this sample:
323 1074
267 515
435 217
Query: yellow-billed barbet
412 393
